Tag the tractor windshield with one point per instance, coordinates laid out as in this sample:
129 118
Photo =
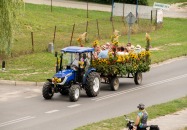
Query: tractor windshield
70 59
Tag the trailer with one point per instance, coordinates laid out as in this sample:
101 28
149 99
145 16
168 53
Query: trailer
123 66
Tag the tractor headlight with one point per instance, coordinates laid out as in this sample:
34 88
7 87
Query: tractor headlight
56 80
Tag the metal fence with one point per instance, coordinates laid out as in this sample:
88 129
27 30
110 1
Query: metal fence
34 41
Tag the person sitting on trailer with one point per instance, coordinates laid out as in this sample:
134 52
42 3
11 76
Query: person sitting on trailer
97 50
103 53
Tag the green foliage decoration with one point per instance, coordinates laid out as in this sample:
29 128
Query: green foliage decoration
122 65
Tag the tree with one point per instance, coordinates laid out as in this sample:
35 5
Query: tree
9 11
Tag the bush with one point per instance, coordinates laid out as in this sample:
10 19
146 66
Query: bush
140 2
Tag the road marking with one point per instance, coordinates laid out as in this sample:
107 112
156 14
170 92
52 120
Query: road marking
16 121
52 111
142 87
75 105
31 96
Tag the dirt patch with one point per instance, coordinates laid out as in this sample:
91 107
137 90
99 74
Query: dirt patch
173 121
155 49
174 44
179 7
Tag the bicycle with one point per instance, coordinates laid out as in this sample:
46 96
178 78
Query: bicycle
130 124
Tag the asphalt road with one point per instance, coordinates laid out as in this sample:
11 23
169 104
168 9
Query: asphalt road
23 107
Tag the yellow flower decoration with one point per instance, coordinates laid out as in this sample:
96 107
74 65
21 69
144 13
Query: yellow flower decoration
95 43
147 53
81 38
147 36
110 54
115 38
81 63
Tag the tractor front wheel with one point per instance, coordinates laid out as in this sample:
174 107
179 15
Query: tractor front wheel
74 93
93 84
47 90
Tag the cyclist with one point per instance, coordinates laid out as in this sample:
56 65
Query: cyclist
141 119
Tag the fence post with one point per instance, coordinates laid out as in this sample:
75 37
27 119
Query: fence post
87 8
112 26
3 65
98 28
151 16
54 35
72 34
86 30
123 11
32 39
156 18
112 10
156 21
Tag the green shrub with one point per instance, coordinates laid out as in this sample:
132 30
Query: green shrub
140 2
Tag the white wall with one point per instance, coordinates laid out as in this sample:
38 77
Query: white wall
143 11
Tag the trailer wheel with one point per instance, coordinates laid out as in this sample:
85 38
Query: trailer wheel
138 78
74 93
114 83
92 86
47 90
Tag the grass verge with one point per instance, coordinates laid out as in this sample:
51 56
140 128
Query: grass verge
154 111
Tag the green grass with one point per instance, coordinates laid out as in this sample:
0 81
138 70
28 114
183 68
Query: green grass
31 66
154 111
39 20
40 65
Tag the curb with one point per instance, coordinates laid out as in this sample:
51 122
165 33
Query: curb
20 83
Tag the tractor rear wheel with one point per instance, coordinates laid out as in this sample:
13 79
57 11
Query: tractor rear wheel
74 93
93 83
47 90
114 83
138 78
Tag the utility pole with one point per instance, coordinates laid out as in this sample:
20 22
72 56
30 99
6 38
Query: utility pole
51 5
136 8
112 10
87 8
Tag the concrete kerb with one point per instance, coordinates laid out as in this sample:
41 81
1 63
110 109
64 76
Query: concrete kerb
20 83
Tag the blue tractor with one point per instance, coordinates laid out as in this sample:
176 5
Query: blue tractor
73 73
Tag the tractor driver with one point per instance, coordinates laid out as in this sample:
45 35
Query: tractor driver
75 62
